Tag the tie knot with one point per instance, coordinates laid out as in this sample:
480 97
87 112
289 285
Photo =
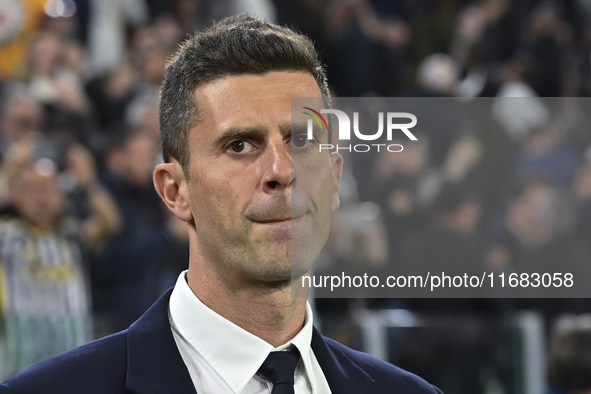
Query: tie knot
279 367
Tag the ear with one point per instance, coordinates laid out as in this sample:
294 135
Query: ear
171 185
337 169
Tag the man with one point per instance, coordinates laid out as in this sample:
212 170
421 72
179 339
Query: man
228 146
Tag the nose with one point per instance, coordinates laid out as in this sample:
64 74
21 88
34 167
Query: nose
278 174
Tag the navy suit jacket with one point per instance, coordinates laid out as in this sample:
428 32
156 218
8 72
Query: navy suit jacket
144 359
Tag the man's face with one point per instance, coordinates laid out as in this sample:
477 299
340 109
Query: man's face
260 198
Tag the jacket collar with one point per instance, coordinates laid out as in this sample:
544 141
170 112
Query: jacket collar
154 364
342 374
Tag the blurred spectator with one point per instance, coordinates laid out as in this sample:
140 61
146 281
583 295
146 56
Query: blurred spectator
128 274
438 76
62 18
19 21
452 243
95 206
464 154
487 154
404 186
151 46
359 241
377 42
139 77
54 78
544 151
569 356
549 41
54 73
537 220
442 123
44 291
106 29
20 117
142 116
535 236
517 107
485 38
109 95
20 121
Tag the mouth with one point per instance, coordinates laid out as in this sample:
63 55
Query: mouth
283 220
280 228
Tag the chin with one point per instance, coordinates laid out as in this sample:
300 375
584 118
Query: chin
282 270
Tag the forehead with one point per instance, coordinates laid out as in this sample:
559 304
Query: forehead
32 177
237 98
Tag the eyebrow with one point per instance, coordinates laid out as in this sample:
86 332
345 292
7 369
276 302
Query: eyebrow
298 128
236 133
240 133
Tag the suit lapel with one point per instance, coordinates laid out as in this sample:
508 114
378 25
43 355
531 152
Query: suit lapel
342 374
154 362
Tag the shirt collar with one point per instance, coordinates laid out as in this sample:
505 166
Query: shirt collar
234 353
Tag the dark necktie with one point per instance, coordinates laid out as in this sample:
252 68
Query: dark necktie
279 368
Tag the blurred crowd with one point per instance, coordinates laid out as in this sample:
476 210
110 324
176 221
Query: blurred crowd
82 232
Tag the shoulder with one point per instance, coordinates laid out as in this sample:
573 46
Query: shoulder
97 367
384 374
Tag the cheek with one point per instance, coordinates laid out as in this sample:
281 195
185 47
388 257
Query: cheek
318 183
23 204
226 191
215 201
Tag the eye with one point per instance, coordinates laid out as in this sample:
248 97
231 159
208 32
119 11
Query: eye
240 146
300 140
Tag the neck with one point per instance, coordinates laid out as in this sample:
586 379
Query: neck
266 310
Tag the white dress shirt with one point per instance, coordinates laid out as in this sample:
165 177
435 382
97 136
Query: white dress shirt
224 358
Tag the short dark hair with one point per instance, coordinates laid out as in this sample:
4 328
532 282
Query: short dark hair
236 45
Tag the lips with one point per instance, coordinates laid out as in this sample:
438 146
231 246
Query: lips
276 220
281 210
